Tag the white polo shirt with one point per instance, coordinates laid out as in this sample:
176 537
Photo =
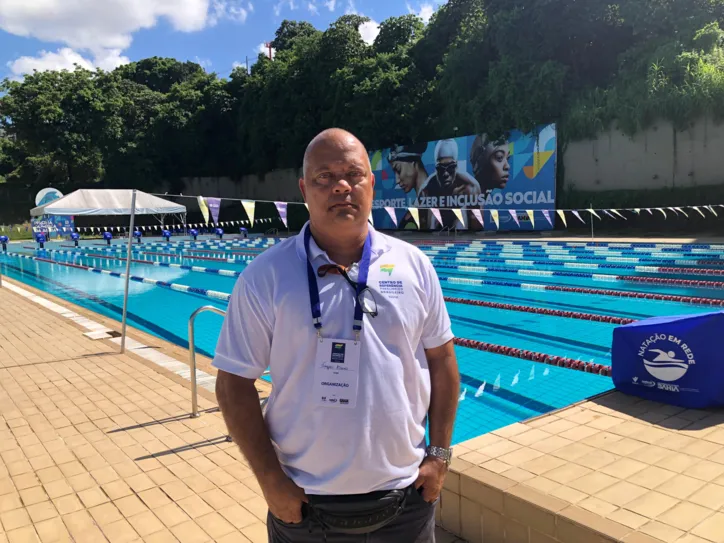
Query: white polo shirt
380 443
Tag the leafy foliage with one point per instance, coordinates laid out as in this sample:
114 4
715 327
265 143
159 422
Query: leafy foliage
478 65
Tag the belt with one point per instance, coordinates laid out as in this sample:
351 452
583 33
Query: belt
358 514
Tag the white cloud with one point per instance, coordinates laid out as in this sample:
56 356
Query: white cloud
265 50
425 12
64 59
330 4
312 8
205 63
105 28
351 8
369 31
220 10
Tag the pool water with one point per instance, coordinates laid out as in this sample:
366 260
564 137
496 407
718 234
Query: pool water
496 389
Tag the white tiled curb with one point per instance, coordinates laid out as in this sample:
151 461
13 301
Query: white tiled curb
203 379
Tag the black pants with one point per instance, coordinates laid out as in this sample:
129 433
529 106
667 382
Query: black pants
416 524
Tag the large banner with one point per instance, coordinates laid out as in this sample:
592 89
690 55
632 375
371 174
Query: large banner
517 172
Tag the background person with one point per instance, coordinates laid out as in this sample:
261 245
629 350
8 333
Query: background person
410 174
447 179
321 461
490 161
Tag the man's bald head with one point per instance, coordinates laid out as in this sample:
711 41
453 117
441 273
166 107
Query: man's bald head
333 139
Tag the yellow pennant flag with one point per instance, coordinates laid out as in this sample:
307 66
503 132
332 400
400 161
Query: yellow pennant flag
637 210
711 208
459 215
415 215
662 211
699 210
306 205
204 208
562 216
616 211
494 215
593 212
249 207
684 212
531 216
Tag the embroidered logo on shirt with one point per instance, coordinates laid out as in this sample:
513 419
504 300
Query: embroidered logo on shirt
387 268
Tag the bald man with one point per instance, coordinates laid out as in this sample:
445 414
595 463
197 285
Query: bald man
353 327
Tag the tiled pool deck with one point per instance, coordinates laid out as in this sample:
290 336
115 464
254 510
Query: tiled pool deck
97 446
613 468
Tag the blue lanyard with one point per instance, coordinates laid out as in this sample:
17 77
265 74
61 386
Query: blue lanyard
364 268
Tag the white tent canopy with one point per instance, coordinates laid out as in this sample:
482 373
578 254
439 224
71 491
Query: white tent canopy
113 202
107 202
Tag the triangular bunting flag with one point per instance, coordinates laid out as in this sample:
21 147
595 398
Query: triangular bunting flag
699 210
306 205
514 215
672 209
578 216
593 212
392 214
662 212
637 210
651 212
710 208
282 210
616 211
371 219
682 211
607 212
479 216
494 216
436 213
415 213
562 215
531 216
249 207
459 215
547 215
204 208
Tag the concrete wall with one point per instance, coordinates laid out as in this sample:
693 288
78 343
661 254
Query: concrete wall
656 158
279 185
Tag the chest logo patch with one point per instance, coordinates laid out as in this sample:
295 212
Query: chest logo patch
387 268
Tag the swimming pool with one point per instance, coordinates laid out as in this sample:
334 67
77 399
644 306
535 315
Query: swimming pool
520 301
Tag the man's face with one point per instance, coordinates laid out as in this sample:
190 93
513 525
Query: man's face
338 183
405 174
446 169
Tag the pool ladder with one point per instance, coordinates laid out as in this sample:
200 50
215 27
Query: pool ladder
192 359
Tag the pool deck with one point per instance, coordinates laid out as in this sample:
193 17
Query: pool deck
96 446
613 468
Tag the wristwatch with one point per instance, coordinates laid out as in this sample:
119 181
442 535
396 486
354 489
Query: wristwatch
438 452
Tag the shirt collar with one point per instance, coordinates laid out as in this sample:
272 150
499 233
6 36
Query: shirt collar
379 245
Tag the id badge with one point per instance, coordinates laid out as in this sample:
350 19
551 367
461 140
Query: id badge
336 373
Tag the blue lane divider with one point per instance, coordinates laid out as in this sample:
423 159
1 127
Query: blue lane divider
216 295
718 247
573 258
609 278
201 269
543 252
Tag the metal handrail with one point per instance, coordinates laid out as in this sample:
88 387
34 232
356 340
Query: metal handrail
192 358
192 353
443 230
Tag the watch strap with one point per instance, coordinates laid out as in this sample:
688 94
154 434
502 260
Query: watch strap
439 452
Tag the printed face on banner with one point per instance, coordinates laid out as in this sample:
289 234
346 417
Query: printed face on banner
471 172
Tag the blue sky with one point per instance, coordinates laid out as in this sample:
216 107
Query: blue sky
55 34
